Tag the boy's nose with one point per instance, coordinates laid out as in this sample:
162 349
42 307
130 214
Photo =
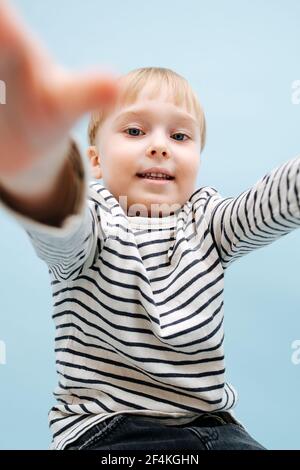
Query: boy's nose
157 151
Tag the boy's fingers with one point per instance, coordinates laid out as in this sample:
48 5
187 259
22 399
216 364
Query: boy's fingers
10 25
88 92
16 39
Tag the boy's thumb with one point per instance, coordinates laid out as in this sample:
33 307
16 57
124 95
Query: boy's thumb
88 92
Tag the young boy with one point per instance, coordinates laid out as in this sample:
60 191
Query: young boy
137 264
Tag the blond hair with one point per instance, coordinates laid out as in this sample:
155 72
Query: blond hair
133 83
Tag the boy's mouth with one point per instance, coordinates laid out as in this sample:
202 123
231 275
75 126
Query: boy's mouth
155 178
152 176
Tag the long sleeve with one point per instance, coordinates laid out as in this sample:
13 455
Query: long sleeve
67 248
258 216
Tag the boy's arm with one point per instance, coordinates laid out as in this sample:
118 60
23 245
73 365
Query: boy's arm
63 227
50 206
39 185
258 216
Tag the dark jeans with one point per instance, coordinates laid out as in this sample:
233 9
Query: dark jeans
211 431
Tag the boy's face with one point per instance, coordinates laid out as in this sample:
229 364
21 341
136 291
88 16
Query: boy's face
159 135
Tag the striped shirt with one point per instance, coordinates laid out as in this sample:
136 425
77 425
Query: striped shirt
138 302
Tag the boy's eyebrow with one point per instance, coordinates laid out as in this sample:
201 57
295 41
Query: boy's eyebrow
178 116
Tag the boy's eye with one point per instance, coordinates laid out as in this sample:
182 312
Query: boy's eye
133 129
181 134
136 131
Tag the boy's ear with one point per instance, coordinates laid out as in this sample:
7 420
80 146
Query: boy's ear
93 156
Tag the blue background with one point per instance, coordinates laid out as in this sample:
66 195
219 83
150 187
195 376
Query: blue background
241 58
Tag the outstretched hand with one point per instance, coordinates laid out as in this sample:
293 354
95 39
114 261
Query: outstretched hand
43 100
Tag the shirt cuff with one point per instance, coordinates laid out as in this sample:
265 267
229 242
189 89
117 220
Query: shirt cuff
71 222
